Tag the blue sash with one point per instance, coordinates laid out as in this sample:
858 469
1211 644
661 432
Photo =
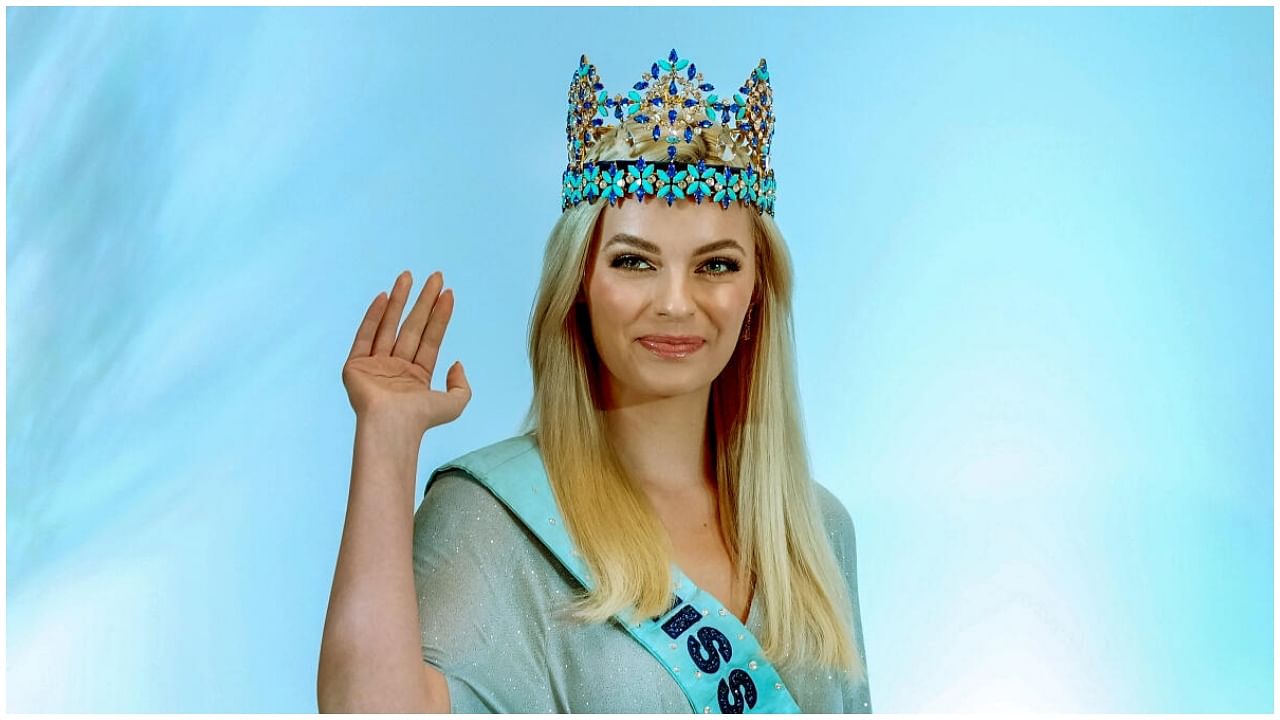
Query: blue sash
710 654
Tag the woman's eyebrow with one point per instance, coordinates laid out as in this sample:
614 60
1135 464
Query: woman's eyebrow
629 239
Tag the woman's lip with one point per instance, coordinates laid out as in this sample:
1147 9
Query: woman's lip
669 350
690 343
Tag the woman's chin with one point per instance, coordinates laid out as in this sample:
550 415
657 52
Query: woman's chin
669 382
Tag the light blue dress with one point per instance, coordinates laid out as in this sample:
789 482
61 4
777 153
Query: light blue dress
491 609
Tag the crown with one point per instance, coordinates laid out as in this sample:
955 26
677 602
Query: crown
670 96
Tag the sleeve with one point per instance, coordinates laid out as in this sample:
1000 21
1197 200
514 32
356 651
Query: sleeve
856 691
467 612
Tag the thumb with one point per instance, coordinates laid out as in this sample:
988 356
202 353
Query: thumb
455 382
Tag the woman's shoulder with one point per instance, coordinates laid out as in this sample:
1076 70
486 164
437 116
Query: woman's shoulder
463 498
488 458
458 508
838 521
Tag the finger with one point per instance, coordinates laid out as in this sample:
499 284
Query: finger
386 336
457 388
433 334
363 343
411 331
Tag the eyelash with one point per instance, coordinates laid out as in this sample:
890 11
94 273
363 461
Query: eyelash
727 262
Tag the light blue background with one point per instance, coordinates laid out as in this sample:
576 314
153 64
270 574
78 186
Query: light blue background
1034 253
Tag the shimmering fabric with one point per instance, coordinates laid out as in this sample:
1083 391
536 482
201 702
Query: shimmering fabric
491 609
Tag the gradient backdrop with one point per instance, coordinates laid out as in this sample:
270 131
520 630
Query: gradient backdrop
1034 250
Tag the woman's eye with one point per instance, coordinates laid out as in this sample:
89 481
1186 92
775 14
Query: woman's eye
623 261
730 265
627 262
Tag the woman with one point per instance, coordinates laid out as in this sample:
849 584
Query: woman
652 541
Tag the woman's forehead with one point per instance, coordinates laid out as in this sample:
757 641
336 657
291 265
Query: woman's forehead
679 227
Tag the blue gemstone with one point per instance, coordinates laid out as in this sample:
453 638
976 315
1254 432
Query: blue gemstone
654 70
597 121
706 87
597 86
642 118
688 134
671 151
641 85
673 57
640 163
690 102
671 89
656 101
656 132
692 70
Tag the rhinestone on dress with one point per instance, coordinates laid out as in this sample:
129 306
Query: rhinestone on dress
723 612
752 665
777 686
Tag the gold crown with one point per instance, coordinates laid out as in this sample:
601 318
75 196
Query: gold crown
670 95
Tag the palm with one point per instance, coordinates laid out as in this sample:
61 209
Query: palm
389 372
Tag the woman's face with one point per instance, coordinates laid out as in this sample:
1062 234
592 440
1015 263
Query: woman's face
655 270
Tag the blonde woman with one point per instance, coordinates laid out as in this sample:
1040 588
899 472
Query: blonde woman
652 540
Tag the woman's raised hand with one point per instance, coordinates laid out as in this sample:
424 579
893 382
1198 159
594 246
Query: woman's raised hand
389 374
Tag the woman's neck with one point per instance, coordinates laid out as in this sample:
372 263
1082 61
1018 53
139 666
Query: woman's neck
662 442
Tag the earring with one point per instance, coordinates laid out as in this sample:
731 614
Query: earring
746 326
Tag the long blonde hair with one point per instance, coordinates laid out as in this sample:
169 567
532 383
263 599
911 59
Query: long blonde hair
772 520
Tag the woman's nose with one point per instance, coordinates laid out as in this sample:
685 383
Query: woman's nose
674 295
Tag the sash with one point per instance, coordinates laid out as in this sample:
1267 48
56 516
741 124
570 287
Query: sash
710 654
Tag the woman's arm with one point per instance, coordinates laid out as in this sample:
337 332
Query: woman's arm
369 654
370 659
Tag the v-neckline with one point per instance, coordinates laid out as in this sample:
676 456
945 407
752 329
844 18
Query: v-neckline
751 607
